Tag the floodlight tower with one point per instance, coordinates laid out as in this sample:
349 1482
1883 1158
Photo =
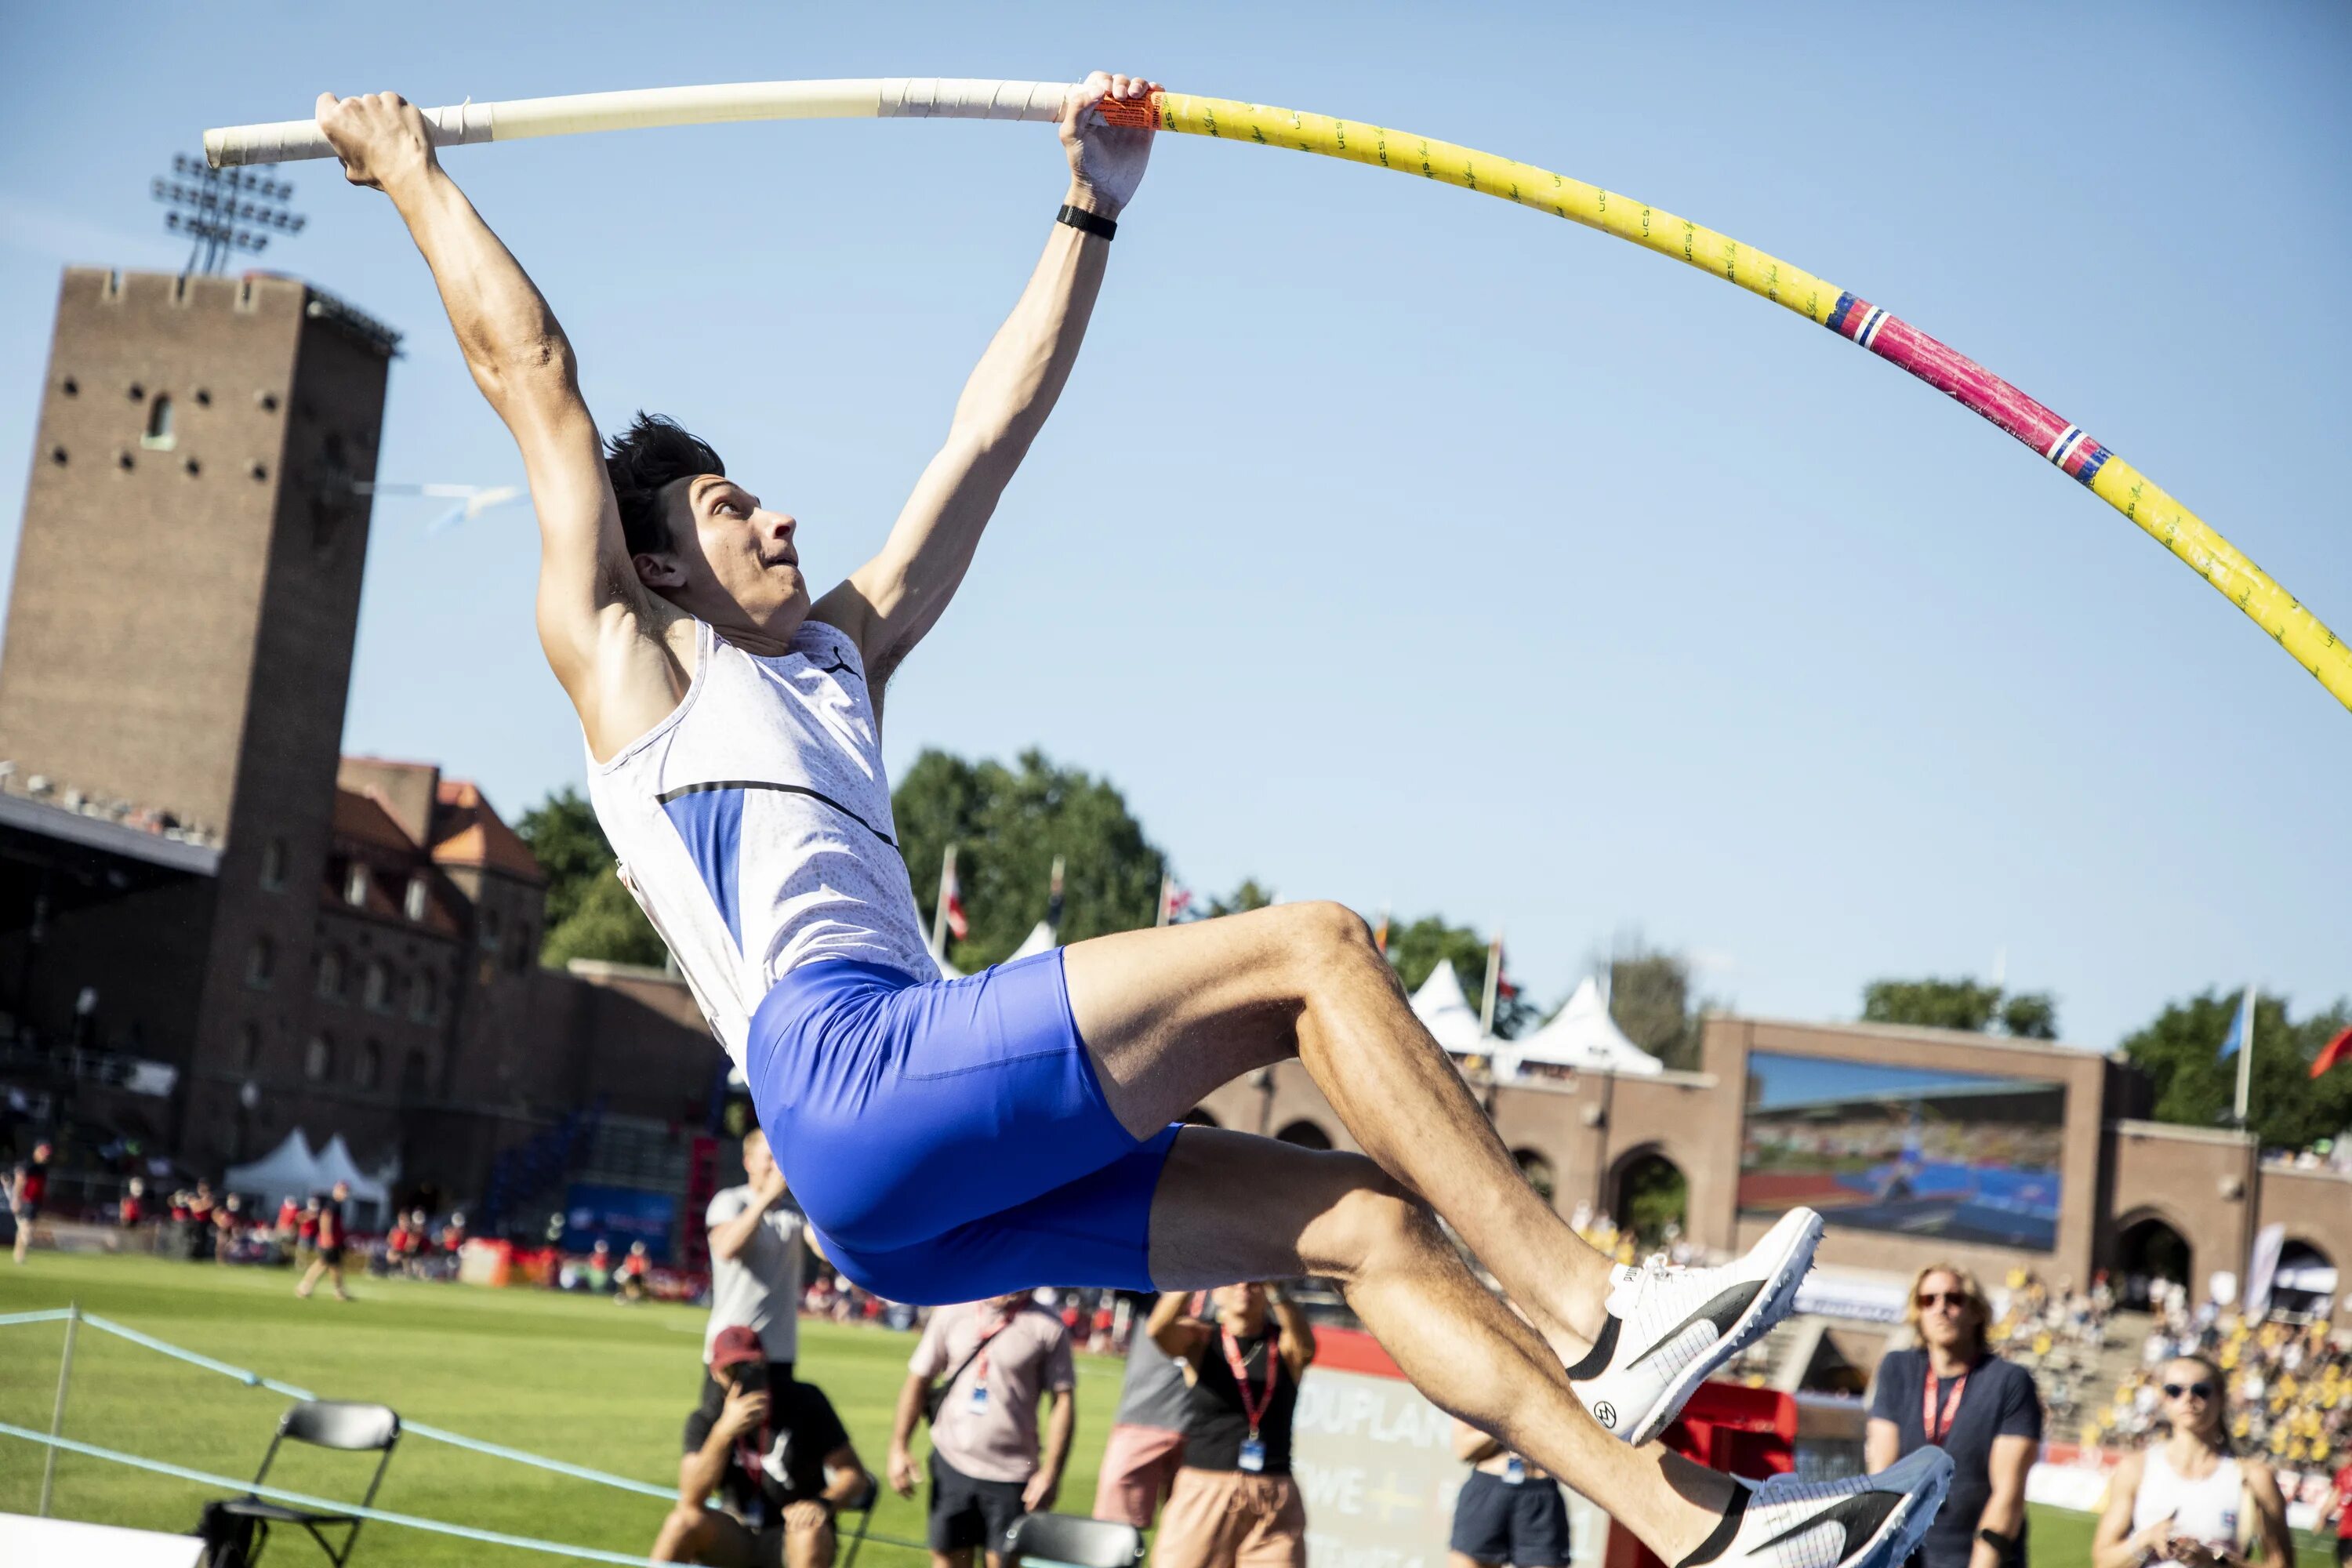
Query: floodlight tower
222 210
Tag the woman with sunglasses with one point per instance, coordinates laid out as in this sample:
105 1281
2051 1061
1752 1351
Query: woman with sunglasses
1951 1393
2184 1498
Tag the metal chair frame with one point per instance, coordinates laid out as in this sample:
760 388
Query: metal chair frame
326 1424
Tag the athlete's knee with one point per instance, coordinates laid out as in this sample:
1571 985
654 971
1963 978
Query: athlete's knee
1319 934
1376 1224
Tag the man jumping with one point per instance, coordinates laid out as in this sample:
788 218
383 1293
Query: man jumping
957 1140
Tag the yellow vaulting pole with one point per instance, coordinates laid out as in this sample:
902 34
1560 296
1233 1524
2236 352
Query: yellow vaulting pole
2066 444
2293 628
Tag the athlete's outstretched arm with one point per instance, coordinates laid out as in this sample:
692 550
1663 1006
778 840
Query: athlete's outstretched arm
522 362
890 602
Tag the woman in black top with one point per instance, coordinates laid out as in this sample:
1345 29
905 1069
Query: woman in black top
1233 1504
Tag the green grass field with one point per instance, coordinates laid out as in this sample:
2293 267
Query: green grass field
573 1377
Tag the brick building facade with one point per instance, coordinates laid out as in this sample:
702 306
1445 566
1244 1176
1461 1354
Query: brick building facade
191 873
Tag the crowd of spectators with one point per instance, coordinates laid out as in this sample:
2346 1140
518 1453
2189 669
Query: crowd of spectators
2290 1385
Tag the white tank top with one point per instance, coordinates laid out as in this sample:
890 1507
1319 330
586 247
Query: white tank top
754 825
2201 1511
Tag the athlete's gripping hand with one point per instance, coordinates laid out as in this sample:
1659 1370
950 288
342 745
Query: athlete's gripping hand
1105 160
380 137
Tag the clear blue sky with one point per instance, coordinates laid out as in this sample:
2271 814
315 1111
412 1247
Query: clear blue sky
1403 547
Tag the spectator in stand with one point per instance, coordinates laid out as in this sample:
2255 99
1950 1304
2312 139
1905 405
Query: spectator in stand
130 1210
998 1357
1147 1437
333 1239
2184 1499
28 1189
755 1260
777 1455
629 1279
1233 1504
1954 1393
1509 1510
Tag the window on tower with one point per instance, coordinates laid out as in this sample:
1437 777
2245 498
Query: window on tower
159 424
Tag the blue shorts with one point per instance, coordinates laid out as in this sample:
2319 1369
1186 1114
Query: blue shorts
948 1138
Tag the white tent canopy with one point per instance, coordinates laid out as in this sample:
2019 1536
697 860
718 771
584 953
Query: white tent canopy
1581 1036
336 1164
290 1170
1447 1014
1042 938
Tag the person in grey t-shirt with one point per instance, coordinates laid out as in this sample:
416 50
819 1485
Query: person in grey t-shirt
755 1260
1147 1437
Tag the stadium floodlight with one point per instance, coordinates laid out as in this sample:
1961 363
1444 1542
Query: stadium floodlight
219 211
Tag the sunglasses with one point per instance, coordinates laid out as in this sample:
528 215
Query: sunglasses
1930 1300
2200 1390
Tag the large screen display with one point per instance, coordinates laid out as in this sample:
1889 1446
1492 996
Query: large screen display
1955 1155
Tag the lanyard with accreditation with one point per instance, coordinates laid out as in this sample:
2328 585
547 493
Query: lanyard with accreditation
1936 1429
1252 1450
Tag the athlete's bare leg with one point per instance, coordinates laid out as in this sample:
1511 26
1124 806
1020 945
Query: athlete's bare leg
1171 1014
1231 1206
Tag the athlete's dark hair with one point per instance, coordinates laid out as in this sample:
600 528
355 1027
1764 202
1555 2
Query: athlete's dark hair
651 453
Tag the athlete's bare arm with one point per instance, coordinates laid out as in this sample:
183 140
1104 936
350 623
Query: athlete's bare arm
889 604
604 633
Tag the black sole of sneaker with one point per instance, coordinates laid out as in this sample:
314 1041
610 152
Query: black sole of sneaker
1772 1304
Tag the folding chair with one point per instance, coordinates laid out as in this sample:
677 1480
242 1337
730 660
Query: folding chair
328 1424
1076 1543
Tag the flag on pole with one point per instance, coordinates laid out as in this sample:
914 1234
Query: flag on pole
1496 986
948 918
2336 1050
1054 897
1380 932
1173 901
2240 1043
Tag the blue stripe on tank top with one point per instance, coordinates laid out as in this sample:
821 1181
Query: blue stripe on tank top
711 823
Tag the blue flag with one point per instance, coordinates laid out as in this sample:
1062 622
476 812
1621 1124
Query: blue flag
2242 1027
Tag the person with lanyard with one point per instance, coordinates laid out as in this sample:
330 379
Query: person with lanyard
997 1357
1508 1512
1951 1393
2188 1499
777 1455
1233 1504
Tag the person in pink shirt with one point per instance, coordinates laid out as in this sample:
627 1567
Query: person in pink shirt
999 1358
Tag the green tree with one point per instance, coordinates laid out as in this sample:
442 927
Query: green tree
589 913
1966 1004
1250 895
1417 948
1650 999
1008 824
2179 1053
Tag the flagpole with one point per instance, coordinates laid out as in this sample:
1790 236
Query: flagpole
1493 973
1167 885
2245 1052
947 889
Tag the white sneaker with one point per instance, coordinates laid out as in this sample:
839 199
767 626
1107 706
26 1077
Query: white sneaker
1864 1521
1668 1328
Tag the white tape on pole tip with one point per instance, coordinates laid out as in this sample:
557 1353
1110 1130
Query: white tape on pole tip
886 98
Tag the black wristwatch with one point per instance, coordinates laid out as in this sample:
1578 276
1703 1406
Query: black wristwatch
2005 1544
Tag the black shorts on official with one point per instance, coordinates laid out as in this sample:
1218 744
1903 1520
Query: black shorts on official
968 1511
1525 1525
